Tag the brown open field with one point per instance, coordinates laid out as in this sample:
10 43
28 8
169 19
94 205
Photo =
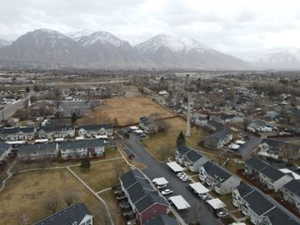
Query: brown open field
102 175
167 141
125 110
26 194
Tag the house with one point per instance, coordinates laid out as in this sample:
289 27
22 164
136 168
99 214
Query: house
33 152
161 220
259 126
95 130
277 216
17 133
291 193
77 214
53 132
212 125
82 148
239 193
180 153
255 205
144 199
274 149
260 209
193 160
272 178
218 139
218 178
148 125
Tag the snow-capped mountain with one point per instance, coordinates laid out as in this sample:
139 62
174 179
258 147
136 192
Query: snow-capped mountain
49 48
42 46
4 43
167 51
102 38
173 43
278 58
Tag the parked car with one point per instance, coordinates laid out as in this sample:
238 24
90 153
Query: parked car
222 213
131 222
204 197
121 197
166 192
182 176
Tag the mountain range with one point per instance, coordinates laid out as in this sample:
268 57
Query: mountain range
102 50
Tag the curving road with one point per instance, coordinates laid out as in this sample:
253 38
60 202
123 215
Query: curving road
157 169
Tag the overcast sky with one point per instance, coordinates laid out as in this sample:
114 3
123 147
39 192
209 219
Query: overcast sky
228 25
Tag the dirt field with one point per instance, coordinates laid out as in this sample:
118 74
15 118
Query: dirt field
102 175
167 141
26 194
125 110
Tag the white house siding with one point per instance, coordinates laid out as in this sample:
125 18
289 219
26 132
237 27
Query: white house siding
87 220
291 198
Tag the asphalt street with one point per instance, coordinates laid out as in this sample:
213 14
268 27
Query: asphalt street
199 210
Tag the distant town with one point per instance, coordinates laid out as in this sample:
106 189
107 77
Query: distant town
149 147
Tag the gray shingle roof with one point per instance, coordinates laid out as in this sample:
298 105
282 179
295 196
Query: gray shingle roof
244 189
216 171
294 187
183 149
256 164
131 177
193 156
149 200
161 220
278 217
258 203
68 216
34 148
272 173
81 144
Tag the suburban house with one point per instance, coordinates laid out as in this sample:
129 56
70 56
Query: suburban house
218 139
190 158
77 214
62 150
193 160
239 193
161 220
82 148
144 199
53 132
255 205
260 209
218 178
274 149
33 152
291 193
272 178
276 216
95 130
17 133
148 125
212 125
259 126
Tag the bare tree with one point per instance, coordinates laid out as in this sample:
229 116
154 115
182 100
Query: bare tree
22 218
51 203
70 197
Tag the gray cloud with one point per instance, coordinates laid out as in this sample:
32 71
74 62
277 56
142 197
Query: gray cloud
226 25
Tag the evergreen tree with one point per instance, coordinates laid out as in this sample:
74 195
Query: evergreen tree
85 163
180 139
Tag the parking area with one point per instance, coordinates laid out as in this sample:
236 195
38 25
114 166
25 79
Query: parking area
199 210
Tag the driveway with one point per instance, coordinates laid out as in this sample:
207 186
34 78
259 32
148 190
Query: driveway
198 210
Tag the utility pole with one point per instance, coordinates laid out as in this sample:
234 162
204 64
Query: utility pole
188 115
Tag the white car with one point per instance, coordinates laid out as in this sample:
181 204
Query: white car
166 192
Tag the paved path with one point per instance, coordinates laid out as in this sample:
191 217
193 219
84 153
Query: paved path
94 193
104 190
9 175
157 169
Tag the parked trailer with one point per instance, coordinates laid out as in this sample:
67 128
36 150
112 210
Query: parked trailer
175 167
179 202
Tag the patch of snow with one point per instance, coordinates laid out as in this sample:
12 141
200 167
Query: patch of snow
101 37
173 43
